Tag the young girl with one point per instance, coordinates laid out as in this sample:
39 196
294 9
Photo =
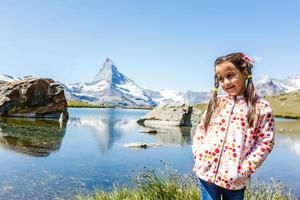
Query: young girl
236 132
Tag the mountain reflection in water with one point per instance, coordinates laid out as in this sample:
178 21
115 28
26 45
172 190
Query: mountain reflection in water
105 130
108 130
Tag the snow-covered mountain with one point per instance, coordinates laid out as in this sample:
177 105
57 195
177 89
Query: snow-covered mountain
167 96
111 87
270 86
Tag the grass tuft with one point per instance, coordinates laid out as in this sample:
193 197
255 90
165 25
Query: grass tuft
170 185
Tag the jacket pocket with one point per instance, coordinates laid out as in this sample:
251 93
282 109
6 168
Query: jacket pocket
246 168
204 161
239 176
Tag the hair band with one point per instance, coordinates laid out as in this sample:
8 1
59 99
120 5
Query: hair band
216 89
249 76
248 58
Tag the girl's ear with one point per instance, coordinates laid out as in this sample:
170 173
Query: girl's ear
245 75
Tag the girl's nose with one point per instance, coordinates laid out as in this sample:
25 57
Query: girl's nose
227 81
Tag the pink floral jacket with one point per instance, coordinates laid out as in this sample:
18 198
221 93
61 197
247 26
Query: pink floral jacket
230 151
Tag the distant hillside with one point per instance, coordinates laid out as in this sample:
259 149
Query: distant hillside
286 105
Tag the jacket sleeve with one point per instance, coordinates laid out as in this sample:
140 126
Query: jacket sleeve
198 136
265 137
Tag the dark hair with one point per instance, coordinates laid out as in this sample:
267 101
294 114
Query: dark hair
242 63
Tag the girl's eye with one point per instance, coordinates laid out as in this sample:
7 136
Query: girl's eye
221 79
230 76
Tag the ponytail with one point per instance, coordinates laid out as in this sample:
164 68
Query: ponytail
212 104
250 96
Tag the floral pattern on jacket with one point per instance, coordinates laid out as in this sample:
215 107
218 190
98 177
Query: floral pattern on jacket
230 151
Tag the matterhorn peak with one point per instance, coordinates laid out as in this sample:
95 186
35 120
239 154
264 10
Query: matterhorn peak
108 60
109 73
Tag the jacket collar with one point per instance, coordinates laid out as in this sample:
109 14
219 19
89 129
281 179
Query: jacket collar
235 98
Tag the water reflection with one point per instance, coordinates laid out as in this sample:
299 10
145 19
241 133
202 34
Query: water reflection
289 130
292 143
170 135
105 130
31 136
78 166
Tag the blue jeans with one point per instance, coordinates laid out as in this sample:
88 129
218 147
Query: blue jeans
210 191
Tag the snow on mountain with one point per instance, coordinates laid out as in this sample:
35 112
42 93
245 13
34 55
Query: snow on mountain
109 87
262 80
167 96
6 78
110 74
114 88
292 83
271 86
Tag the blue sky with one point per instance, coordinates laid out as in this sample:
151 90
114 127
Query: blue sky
159 44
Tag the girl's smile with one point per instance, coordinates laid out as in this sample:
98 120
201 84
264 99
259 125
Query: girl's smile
232 80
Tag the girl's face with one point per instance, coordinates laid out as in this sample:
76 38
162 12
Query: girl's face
231 79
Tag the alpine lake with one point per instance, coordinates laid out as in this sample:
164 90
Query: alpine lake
45 159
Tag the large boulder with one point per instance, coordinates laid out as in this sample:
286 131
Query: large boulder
172 114
34 98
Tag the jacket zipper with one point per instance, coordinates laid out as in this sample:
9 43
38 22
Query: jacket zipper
224 139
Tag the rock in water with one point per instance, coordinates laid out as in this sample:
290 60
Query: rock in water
171 114
139 145
34 98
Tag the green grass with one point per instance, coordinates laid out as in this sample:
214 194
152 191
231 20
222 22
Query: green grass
80 104
286 105
170 185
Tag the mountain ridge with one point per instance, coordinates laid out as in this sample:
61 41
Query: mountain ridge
111 87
